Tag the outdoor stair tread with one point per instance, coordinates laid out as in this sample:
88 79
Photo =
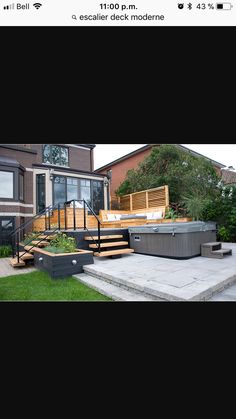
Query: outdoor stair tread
113 252
40 243
222 251
14 262
115 236
24 256
47 237
210 244
109 244
30 248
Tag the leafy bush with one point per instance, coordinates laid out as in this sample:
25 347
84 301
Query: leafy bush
29 237
54 249
222 210
64 243
5 251
171 213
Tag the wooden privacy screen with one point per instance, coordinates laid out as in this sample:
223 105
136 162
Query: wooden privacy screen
151 198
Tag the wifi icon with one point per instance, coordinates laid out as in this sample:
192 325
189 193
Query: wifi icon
37 5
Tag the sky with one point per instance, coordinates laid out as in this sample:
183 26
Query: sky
222 153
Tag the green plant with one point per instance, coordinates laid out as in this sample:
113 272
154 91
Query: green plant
5 251
171 213
195 205
223 234
29 237
64 242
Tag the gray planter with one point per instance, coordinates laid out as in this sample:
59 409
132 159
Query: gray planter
64 264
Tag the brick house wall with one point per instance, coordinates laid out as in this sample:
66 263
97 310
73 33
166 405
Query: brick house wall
79 158
27 160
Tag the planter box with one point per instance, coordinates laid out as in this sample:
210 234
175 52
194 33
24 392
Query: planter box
62 264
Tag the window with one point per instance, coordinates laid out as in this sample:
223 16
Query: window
6 185
85 190
72 188
97 196
69 188
21 187
54 154
59 189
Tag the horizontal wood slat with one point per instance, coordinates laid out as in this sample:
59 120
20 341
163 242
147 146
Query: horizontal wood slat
151 198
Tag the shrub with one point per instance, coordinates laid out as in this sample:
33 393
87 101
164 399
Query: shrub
171 213
29 237
5 251
63 242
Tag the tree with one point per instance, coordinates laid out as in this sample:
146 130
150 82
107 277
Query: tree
188 177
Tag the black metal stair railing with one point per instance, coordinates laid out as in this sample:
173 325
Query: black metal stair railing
85 204
15 235
47 212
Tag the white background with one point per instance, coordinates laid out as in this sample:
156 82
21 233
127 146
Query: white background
59 13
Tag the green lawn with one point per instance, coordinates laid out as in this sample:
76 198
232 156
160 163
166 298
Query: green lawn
38 286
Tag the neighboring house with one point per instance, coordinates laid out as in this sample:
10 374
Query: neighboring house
34 176
117 169
229 177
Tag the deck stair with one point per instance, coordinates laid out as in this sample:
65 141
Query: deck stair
214 250
111 245
27 251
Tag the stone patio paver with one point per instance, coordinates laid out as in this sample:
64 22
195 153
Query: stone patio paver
7 270
193 279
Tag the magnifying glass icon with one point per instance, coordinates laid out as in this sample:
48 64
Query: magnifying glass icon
74 17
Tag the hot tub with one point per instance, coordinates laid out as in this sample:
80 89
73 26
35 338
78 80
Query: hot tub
172 240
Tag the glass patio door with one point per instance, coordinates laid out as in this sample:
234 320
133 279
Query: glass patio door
40 192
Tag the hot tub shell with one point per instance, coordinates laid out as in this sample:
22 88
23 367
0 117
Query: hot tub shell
173 240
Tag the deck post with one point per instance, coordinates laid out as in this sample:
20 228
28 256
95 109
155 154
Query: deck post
65 216
74 217
84 216
18 247
59 217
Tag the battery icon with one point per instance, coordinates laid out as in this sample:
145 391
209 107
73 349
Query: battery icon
224 6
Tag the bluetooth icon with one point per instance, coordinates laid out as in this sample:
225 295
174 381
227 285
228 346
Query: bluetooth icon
189 6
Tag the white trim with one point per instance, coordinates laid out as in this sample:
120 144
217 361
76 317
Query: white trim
15 214
58 165
28 169
77 146
17 204
56 172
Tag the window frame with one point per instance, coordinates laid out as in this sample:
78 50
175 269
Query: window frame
23 187
79 188
14 172
50 156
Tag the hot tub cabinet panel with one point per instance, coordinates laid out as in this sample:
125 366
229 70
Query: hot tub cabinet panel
174 240
62 265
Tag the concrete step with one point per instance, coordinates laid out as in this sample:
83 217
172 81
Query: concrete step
115 292
113 252
212 245
221 253
109 244
110 237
